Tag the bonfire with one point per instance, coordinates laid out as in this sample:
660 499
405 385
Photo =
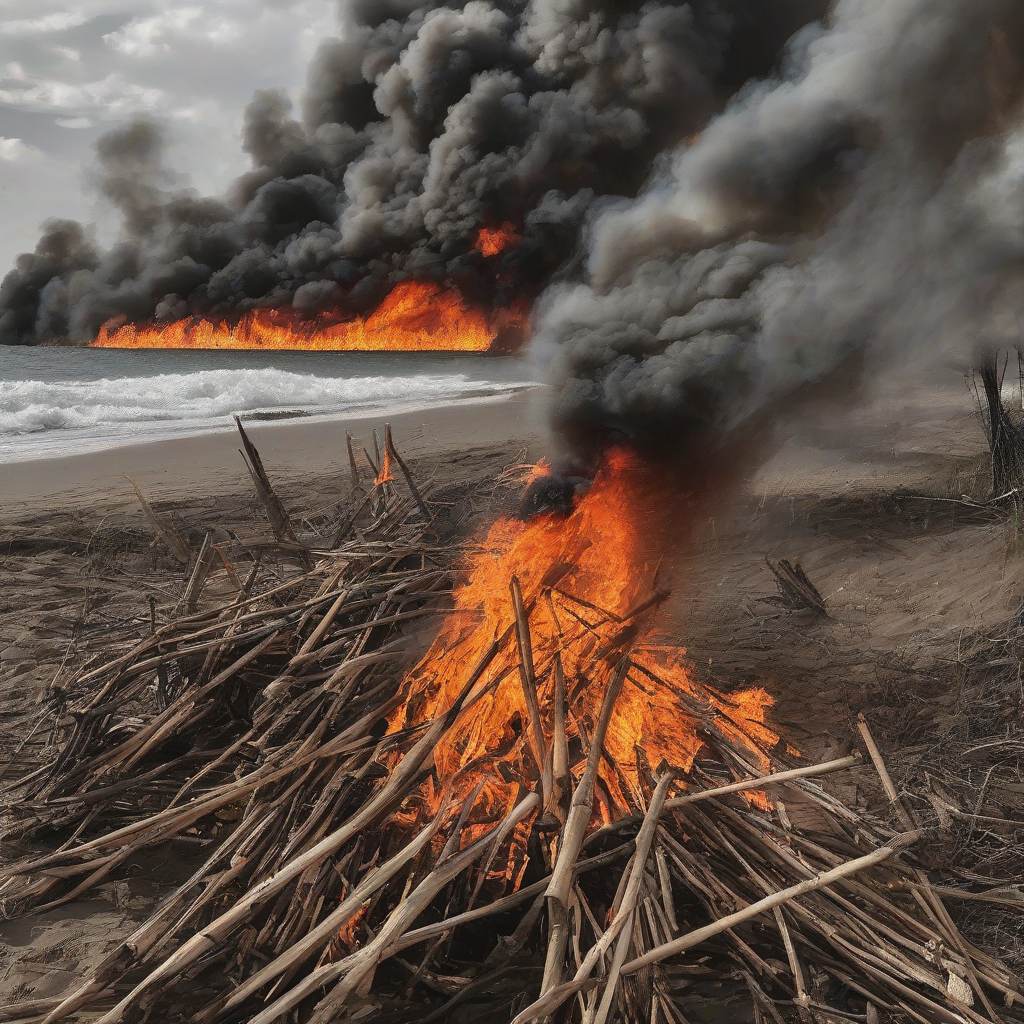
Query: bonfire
546 815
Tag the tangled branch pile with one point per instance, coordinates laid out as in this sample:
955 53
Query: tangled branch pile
351 872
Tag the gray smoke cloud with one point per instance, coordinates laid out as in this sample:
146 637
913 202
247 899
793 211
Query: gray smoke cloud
862 206
422 122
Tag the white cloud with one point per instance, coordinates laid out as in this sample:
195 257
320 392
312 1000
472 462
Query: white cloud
15 151
15 71
142 37
112 96
75 122
59 21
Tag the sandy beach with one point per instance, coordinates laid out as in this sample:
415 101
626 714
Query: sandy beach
847 499
210 464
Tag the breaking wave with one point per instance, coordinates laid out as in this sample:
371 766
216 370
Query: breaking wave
126 410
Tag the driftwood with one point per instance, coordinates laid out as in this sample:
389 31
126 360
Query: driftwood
343 868
165 531
796 591
276 513
1005 433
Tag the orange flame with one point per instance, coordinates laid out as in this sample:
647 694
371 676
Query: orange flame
494 241
385 476
580 576
415 317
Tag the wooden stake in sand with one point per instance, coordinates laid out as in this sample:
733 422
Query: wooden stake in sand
276 513
165 531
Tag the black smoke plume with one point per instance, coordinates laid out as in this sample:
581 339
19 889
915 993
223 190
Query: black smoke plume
862 205
422 123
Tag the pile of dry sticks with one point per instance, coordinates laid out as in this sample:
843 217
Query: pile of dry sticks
257 732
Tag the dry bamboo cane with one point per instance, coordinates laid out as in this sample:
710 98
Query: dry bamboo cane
807 772
561 782
161 635
354 967
665 884
898 806
24 1013
866 939
634 876
571 842
279 521
353 468
528 679
217 930
819 881
190 597
795 967
164 634
165 532
162 727
336 920
408 476
935 904
778 778
643 848
499 906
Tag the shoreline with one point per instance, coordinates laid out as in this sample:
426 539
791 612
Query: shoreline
81 442
209 463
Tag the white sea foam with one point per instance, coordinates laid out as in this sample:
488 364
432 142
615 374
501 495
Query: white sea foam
40 418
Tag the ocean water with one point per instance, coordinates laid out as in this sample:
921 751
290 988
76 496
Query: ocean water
64 401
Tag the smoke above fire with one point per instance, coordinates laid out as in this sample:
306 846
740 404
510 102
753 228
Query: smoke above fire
454 144
717 205
863 207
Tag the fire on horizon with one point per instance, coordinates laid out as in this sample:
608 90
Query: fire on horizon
415 316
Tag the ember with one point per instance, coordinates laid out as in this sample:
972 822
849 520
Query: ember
415 317
494 241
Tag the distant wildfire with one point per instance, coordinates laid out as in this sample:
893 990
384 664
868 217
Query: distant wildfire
705 208
414 317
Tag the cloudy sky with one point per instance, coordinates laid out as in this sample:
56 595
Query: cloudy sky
71 70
